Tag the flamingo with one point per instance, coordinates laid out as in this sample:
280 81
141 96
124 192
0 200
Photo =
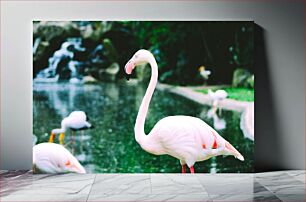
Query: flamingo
186 138
54 158
216 97
77 120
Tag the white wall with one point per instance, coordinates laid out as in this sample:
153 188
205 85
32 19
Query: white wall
282 23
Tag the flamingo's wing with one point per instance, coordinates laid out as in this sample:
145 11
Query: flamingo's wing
179 136
77 120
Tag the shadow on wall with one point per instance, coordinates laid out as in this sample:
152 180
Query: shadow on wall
268 152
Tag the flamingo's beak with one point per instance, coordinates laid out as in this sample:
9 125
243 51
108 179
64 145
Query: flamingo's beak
128 69
127 76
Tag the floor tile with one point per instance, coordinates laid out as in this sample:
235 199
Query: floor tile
258 188
175 184
50 184
287 189
282 183
298 175
235 184
287 186
150 197
266 198
15 180
245 198
43 198
3 171
292 197
230 197
121 184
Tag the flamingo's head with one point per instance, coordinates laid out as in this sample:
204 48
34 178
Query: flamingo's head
140 57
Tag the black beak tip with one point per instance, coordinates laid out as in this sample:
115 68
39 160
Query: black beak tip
127 76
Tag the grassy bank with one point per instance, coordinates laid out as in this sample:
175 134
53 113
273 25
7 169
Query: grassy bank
241 94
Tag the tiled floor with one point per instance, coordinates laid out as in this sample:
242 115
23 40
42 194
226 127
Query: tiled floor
271 186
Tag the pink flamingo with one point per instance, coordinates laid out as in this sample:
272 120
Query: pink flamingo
54 158
186 138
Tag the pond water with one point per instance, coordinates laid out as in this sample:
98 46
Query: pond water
110 147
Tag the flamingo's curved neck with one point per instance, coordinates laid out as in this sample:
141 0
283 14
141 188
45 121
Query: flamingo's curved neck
62 129
143 109
59 130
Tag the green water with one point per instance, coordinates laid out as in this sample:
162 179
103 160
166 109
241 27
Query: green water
112 108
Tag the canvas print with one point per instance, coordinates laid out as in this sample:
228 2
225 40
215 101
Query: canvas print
143 97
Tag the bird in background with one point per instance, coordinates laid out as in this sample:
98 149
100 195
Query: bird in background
216 98
54 158
204 72
76 121
189 139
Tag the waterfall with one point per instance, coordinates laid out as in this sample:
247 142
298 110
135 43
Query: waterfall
65 53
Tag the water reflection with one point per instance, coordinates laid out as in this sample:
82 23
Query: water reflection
112 107
219 123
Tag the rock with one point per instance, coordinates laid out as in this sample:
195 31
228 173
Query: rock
110 73
251 81
241 78
113 69
89 79
75 81
41 56
48 37
95 30
87 32
50 30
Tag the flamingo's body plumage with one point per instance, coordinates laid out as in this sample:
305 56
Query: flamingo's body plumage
77 120
186 138
54 158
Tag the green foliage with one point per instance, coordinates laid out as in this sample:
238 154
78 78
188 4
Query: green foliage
182 47
243 78
241 94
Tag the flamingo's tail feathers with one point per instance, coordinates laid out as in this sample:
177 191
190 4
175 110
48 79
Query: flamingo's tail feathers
234 151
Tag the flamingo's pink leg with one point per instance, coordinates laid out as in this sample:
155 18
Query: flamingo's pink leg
184 168
191 169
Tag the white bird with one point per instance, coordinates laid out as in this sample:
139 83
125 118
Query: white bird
204 73
216 97
77 120
54 158
186 138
